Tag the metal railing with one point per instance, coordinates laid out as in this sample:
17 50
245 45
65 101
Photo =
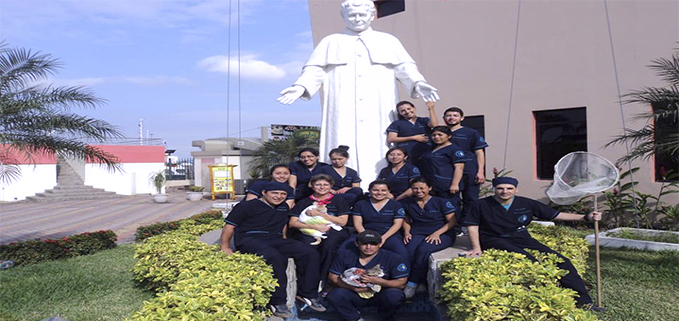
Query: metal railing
181 170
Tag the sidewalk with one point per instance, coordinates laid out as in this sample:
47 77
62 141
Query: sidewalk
21 221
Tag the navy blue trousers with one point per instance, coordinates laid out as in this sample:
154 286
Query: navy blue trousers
419 252
347 302
470 194
520 241
327 250
276 252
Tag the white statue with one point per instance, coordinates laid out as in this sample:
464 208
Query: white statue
358 69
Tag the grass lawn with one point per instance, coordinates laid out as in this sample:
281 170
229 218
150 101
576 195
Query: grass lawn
86 288
639 286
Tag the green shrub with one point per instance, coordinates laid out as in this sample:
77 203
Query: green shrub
144 232
507 286
37 251
196 281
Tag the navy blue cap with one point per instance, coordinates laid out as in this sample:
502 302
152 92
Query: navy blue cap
275 186
367 236
505 180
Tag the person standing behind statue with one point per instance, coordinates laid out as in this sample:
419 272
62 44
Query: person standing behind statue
398 173
347 183
302 170
473 144
412 132
359 69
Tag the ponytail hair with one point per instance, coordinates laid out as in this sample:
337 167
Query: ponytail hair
341 150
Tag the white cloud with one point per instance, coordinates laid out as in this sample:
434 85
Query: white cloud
250 67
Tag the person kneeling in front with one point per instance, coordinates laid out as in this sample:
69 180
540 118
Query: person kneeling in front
258 226
499 222
366 275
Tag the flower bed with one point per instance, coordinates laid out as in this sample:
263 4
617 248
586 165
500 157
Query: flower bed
147 231
637 239
37 251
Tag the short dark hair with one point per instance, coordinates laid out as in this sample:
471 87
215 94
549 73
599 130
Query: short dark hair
277 166
454 110
403 102
321 177
420 180
378 182
405 153
308 149
341 149
443 129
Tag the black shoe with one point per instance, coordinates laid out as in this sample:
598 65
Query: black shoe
281 311
314 304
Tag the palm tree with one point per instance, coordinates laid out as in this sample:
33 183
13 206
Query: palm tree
283 151
660 136
35 117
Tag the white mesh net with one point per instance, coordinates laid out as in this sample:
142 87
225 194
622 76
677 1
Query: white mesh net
580 173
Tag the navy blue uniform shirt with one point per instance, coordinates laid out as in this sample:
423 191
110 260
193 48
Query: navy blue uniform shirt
255 218
336 207
393 265
257 188
429 219
303 176
494 220
378 221
404 128
400 181
469 140
350 177
437 166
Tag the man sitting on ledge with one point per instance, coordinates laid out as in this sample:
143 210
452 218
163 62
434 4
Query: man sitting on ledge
499 222
259 226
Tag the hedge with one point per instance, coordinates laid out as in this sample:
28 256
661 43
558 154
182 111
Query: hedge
507 286
144 232
36 251
197 281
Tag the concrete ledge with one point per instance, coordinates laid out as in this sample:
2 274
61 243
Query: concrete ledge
434 278
608 241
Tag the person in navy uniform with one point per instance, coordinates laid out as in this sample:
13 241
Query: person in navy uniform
347 183
302 170
366 254
443 166
428 228
380 214
257 227
499 222
471 142
398 173
411 132
337 212
278 173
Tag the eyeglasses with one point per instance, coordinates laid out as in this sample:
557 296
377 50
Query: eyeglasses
321 185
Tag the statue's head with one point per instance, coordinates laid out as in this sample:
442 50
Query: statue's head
358 14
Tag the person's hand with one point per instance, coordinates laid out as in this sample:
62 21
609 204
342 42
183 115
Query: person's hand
333 192
227 250
420 138
290 94
390 196
430 104
454 189
407 237
321 227
474 252
343 190
426 91
434 238
480 178
371 279
595 216
313 212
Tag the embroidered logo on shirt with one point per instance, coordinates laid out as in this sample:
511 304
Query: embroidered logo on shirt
402 267
523 218
401 211
459 153
416 170
449 205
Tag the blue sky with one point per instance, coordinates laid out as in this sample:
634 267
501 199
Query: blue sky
166 61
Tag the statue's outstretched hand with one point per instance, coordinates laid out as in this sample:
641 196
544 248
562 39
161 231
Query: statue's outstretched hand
290 94
426 91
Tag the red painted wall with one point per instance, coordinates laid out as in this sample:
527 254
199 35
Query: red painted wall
124 154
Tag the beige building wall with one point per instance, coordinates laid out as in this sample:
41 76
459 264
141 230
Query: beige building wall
564 59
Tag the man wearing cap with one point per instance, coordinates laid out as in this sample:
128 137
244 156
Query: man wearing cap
366 255
258 226
499 222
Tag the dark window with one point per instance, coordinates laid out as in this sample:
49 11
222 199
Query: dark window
475 122
665 129
557 133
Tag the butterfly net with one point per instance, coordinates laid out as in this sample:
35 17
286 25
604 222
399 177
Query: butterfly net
580 173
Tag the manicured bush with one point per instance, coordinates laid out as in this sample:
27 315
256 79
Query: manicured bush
507 286
36 251
147 231
197 281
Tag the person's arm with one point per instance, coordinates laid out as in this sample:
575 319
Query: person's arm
292 181
329 217
358 223
227 234
457 177
250 197
406 232
433 120
290 202
593 216
337 280
395 226
473 231
393 138
296 223
435 238
481 163
396 283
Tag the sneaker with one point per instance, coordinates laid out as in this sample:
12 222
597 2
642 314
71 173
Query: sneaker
314 304
281 311
409 291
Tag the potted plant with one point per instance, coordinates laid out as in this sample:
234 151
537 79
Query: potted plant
195 193
157 180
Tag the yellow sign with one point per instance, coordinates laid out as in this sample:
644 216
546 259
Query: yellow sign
221 178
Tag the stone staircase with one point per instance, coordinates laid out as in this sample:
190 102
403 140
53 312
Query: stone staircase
70 187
